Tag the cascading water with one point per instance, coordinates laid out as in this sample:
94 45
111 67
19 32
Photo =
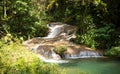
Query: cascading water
54 30
84 54
60 34
48 55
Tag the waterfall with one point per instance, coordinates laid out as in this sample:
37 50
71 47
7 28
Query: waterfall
54 30
84 54
52 60
48 55
35 48
59 35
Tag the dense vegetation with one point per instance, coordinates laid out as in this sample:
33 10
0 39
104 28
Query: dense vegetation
14 58
97 24
97 20
21 18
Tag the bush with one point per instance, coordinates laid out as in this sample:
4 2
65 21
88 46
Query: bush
105 36
60 50
102 37
114 51
87 32
14 58
23 19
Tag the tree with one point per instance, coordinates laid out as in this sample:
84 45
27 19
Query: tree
4 9
23 18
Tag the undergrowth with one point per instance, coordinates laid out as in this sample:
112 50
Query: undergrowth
16 59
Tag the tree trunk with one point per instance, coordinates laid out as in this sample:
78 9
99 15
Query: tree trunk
4 9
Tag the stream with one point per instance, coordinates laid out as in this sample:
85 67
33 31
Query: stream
77 58
92 66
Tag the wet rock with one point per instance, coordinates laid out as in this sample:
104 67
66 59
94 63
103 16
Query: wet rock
60 35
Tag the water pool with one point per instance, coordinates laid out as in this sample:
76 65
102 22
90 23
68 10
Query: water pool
92 66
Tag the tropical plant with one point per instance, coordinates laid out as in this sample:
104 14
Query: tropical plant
105 35
22 18
15 58
114 51
60 50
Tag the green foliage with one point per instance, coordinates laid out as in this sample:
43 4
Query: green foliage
104 36
98 37
60 50
88 35
114 51
56 9
9 39
113 11
23 19
97 21
87 13
15 58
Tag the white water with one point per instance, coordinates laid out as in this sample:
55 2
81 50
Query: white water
54 30
84 54
52 60
51 56
35 48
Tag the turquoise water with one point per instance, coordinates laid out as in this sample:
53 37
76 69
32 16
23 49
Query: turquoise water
92 66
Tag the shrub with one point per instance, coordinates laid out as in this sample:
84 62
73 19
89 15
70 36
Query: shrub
102 37
105 36
14 58
114 51
24 19
60 50
87 32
